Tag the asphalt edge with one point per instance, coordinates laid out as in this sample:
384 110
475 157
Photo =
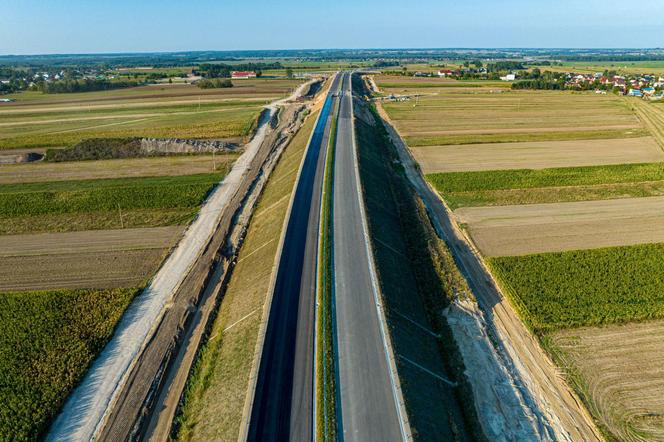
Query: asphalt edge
406 432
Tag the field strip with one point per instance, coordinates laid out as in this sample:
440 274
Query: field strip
89 241
96 126
539 228
537 155
112 169
518 130
115 269
119 116
133 103
621 369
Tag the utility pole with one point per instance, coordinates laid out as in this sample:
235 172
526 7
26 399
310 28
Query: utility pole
214 164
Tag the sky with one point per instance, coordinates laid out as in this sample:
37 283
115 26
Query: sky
92 26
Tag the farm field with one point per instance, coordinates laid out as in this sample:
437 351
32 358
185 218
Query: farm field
116 168
47 340
537 155
216 390
528 186
488 112
102 204
92 259
38 120
537 228
619 370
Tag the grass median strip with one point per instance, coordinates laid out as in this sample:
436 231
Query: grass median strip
326 379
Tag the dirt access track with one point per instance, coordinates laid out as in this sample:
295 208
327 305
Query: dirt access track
547 398
556 227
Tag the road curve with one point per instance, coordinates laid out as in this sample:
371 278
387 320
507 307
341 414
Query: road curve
284 396
367 393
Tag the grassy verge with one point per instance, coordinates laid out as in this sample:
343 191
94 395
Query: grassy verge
216 390
326 379
444 140
553 291
418 278
527 186
47 340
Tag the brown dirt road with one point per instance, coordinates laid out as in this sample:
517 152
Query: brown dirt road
548 397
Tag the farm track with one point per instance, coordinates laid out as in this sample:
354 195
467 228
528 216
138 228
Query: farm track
548 398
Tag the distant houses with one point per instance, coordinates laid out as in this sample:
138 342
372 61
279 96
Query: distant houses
509 77
240 75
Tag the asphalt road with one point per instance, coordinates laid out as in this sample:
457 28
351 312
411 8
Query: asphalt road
284 397
369 411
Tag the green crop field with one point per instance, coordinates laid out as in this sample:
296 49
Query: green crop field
99 204
554 291
528 186
47 340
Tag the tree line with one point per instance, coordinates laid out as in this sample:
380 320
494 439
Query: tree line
86 85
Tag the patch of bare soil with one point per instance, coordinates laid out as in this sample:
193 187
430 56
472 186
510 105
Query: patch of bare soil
537 155
554 227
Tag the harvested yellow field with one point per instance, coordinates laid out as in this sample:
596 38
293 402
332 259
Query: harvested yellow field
537 155
619 368
120 168
538 228
90 259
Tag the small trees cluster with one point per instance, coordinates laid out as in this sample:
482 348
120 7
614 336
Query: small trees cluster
215 83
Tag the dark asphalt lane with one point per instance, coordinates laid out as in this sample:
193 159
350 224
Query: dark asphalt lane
368 407
283 401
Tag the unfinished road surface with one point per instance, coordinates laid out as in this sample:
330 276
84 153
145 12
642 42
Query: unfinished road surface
368 393
283 402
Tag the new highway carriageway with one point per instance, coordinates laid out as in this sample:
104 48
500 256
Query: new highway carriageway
369 403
